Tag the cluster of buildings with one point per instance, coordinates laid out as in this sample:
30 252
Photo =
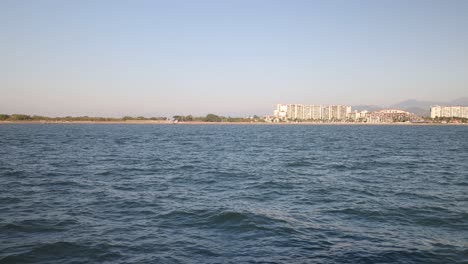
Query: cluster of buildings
449 111
344 113
391 115
337 113
311 112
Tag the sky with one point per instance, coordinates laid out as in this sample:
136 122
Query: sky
237 58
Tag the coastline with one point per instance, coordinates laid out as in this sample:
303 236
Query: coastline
128 122
158 122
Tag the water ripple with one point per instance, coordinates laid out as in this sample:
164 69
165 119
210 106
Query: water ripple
233 194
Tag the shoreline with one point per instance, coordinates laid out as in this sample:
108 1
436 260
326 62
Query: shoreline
155 122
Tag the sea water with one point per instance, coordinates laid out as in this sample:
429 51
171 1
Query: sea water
233 194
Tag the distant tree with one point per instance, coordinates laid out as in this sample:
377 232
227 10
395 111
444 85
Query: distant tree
238 119
36 117
157 118
213 118
4 117
20 117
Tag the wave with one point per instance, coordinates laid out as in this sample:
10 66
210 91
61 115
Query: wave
10 200
398 255
13 173
64 252
235 221
38 226
301 163
416 216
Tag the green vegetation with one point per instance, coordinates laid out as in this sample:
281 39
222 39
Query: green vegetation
213 118
400 118
187 118
216 118
449 120
180 118
21 117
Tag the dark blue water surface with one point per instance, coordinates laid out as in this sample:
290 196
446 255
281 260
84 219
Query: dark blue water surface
233 194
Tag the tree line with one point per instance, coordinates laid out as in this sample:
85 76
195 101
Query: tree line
450 119
216 118
21 117
179 118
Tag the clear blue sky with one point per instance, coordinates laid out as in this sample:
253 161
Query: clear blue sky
160 58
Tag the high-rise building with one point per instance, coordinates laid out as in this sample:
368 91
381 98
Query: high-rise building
465 112
436 111
307 112
311 112
281 111
449 111
326 113
316 112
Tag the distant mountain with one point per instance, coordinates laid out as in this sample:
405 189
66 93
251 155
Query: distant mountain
418 107
460 101
369 108
418 111
422 108
412 103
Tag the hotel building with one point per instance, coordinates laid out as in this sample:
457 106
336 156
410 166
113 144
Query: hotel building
311 112
449 111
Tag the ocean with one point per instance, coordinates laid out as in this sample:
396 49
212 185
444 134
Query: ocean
76 193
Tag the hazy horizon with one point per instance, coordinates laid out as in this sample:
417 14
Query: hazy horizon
161 58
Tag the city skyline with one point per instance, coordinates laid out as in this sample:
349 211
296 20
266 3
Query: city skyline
156 58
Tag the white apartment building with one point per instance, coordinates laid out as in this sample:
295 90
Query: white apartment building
326 113
293 111
449 111
281 111
316 112
357 115
336 112
311 112
465 111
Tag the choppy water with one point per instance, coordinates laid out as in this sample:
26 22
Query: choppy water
233 194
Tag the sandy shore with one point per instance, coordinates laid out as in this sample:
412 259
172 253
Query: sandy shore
315 124
89 122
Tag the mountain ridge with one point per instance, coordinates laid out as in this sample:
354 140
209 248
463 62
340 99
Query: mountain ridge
419 107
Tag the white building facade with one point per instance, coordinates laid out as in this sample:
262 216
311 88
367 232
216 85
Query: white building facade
449 111
312 112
